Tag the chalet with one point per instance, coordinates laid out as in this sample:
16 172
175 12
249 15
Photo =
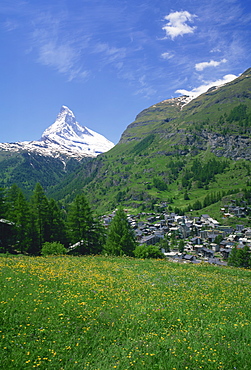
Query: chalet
184 229
215 247
225 252
217 261
209 253
233 237
213 223
204 218
212 235
248 233
188 257
171 254
150 239
226 229
223 243
239 228
237 211
196 240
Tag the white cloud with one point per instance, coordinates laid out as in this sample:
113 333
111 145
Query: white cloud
111 52
207 85
212 63
177 24
60 57
146 92
167 55
56 48
10 25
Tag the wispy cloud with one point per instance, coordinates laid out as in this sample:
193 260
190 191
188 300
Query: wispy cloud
147 92
212 63
10 25
110 54
206 85
70 47
167 55
60 57
177 24
56 48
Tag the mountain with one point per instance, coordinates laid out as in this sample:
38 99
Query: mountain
62 148
180 153
65 137
176 152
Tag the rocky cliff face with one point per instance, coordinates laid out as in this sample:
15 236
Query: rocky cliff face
200 123
230 146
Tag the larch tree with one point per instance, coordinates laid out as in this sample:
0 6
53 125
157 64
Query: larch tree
23 224
84 228
41 216
120 239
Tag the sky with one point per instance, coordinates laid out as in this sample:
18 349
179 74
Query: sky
107 60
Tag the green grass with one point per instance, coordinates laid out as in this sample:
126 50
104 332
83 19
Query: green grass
122 313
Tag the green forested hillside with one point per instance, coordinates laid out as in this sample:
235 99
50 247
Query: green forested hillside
186 156
183 155
26 169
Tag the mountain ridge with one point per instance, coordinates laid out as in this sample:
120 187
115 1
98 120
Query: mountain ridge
64 145
64 138
176 152
157 155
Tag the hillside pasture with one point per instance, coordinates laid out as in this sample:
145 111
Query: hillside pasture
122 313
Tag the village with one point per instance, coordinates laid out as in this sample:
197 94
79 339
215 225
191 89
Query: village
204 238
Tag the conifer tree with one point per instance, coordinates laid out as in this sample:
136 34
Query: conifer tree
2 205
240 257
23 224
6 230
121 239
84 228
10 201
41 217
17 211
57 227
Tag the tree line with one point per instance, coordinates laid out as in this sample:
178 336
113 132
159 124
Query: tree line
27 225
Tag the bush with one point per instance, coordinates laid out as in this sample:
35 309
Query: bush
147 251
54 248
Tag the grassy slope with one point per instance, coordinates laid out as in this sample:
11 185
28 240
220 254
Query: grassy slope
120 313
125 173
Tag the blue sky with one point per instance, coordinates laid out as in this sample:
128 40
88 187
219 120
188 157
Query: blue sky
108 60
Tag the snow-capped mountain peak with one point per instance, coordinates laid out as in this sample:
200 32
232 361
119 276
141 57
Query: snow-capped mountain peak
65 136
65 125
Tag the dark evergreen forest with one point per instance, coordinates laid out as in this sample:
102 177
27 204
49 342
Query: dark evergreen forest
26 224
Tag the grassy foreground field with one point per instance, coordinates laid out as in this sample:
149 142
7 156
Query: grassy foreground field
122 313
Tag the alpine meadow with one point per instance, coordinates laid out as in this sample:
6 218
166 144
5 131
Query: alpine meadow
137 257
123 313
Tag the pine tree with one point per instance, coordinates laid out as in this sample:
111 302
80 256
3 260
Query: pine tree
240 257
181 246
11 200
41 217
84 228
121 239
14 202
57 227
23 224
165 243
2 204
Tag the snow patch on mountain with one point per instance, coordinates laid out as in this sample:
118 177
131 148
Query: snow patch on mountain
64 137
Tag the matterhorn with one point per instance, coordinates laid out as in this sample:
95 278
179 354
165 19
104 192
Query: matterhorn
64 137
